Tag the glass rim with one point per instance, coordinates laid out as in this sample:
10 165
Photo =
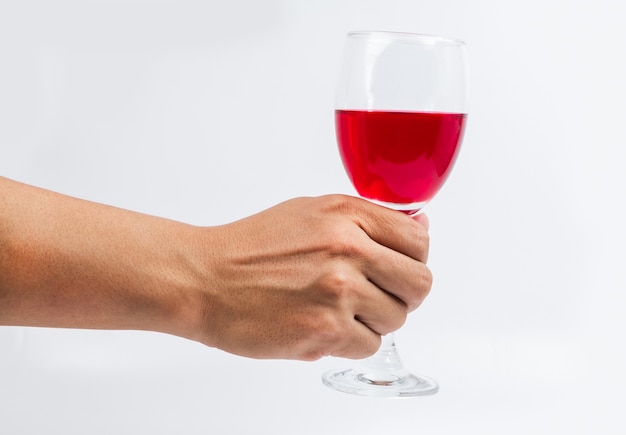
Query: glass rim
422 38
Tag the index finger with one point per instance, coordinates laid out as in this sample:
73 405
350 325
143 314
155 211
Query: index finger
395 230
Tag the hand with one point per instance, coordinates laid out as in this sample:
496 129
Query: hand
312 277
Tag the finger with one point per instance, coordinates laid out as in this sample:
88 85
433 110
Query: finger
359 341
379 310
394 273
408 280
394 229
361 299
357 312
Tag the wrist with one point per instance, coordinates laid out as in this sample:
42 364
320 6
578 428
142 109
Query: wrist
183 278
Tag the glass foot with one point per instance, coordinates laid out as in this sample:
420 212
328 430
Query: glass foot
381 375
364 383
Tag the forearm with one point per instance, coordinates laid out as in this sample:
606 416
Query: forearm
66 262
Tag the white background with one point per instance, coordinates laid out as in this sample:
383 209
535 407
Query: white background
206 111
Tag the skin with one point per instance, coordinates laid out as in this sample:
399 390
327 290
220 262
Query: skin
306 278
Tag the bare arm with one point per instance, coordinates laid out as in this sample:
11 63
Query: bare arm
307 278
66 262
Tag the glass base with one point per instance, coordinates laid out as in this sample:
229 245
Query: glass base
391 384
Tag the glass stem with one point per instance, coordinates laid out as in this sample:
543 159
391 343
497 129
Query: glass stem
384 365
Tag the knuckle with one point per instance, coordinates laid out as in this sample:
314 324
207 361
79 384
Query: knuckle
328 334
339 235
336 336
343 245
330 330
396 322
337 285
337 203
318 334
424 282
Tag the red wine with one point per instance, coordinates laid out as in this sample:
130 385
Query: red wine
398 157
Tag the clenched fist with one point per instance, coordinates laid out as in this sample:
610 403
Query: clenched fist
312 277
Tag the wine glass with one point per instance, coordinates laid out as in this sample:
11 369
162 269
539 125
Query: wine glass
401 107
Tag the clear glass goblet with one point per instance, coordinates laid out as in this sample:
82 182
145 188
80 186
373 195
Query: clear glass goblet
400 113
